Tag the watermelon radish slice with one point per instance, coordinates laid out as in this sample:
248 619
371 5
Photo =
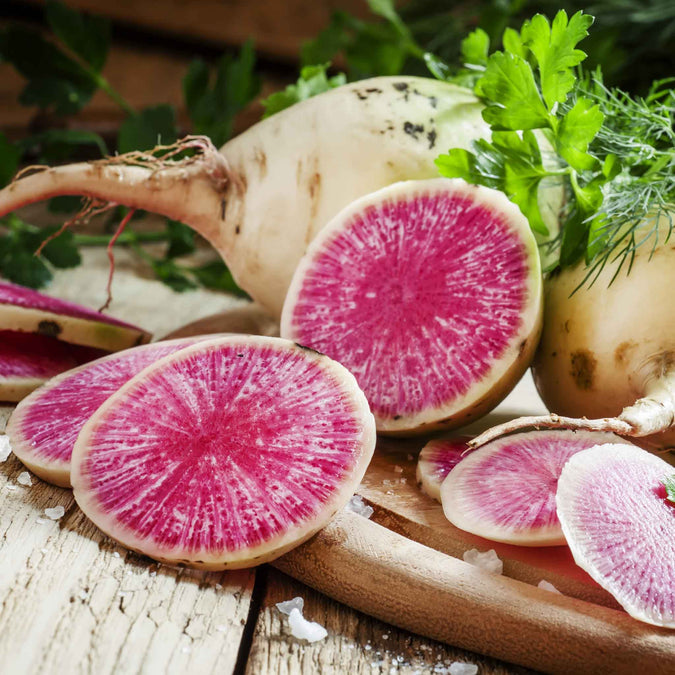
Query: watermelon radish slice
437 459
23 309
44 427
225 454
429 292
621 527
505 490
27 360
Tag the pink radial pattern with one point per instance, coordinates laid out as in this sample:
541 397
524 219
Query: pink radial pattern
248 439
621 528
506 490
418 295
20 296
437 459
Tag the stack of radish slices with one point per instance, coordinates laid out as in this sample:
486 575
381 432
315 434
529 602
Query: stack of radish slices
608 500
41 336
218 452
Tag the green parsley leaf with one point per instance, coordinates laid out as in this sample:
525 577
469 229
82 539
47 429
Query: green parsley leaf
216 276
474 48
173 275
577 129
181 239
669 484
313 80
58 145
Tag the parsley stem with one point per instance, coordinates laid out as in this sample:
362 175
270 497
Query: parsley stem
126 238
105 86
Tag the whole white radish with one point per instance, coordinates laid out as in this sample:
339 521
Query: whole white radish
263 197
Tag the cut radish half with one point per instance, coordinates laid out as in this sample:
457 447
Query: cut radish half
437 459
430 293
26 310
225 454
27 360
621 528
505 490
43 428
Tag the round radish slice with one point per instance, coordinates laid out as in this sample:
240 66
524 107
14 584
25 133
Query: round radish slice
430 293
26 310
437 459
621 527
505 490
225 454
43 428
27 360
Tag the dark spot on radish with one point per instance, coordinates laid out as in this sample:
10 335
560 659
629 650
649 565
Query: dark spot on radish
583 365
622 352
237 229
261 160
361 95
401 86
413 129
315 185
241 356
397 417
374 90
431 137
308 349
433 100
521 347
49 328
566 326
223 208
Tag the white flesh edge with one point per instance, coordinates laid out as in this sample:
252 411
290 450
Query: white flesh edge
452 506
581 465
76 330
426 468
505 372
250 556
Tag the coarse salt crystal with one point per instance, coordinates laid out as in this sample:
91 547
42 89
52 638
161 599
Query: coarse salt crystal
55 513
367 647
10 487
5 448
303 629
357 505
461 668
548 586
287 606
24 479
488 561
83 594
116 554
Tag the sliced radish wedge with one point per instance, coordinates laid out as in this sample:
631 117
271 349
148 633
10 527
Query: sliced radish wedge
26 310
430 293
27 360
225 454
621 528
437 459
505 490
43 428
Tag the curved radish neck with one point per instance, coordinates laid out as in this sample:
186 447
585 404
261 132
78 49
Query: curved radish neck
193 190
651 414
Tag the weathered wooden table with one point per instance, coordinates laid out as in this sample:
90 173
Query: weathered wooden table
75 602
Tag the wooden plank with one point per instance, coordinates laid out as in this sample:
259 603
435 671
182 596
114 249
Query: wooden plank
278 28
355 644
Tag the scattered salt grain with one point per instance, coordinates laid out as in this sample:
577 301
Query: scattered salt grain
357 505
10 487
398 469
55 513
389 492
488 561
24 479
461 668
303 629
44 550
548 586
221 628
116 554
287 606
186 649
152 574
367 647
83 594
41 521
385 637
5 448
219 587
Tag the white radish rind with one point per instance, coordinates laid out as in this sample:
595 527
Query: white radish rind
226 454
429 292
436 459
506 490
28 360
23 309
44 427
620 527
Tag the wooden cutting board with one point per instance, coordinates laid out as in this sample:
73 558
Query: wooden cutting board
405 566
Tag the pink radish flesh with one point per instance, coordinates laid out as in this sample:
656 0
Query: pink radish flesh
505 490
44 426
24 309
437 459
425 291
253 443
621 528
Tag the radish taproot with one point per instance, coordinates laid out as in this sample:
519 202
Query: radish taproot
506 490
606 359
28 360
436 459
43 428
429 292
267 193
25 310
252 445
620 526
